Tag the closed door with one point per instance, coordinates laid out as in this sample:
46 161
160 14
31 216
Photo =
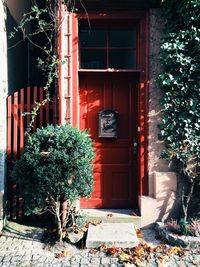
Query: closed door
115 164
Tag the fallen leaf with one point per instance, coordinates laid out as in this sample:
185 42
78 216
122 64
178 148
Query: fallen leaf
66 253
174 250
162 261
84 229
95 222
195 262
133 213
63 254
139 233
109 215
124 256
128 264
103 247
112 251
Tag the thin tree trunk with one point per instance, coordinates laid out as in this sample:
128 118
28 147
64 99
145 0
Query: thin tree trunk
59 223
64 209
186 199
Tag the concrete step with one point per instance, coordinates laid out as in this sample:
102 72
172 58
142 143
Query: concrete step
121 235
113 216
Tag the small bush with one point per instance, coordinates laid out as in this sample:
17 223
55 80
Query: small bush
191 228
56 165
174 226
194 227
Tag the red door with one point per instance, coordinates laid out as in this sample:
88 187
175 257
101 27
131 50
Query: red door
115 165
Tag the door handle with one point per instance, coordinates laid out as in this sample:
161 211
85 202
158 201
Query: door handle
135 147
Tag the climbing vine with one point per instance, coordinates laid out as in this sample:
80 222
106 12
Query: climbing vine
180 84
43 36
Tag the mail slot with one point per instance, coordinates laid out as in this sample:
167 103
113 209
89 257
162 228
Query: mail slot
108 123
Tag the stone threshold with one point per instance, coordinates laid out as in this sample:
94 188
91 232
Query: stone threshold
113 216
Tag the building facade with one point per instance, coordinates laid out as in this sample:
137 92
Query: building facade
108 87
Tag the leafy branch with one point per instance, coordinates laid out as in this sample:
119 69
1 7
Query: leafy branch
179 81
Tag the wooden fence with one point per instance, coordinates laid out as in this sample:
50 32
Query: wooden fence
22 101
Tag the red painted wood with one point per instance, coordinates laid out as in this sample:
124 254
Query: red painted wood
47 112
28 105
41 107
9 121
100 15
16 128
115 166
54 110
143 103
21 148
15 125
21 123
34 101
74 68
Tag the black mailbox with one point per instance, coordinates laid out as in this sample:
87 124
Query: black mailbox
108 123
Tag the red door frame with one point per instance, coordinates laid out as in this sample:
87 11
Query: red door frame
142 19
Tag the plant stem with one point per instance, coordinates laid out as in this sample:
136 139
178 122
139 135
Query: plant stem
59 223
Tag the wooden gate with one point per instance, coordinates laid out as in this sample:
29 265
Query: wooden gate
21 101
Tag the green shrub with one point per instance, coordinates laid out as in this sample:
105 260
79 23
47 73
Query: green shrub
56 165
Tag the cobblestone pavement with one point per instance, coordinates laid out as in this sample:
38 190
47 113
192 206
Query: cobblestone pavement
25 249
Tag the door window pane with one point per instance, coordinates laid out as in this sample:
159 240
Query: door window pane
93 59
93 38
122 59
122 38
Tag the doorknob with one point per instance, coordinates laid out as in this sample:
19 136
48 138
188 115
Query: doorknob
135 147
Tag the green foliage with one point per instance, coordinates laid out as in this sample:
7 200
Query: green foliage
56 165
180 84
180 57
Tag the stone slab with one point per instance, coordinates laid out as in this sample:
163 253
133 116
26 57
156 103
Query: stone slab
113 216
112 235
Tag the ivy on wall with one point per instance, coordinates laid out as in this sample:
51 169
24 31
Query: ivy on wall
180 84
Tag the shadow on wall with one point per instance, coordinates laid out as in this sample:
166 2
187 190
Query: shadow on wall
166 196
17 57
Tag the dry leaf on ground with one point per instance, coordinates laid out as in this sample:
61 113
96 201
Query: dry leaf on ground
95 222
110 215
129 264
103 248
133 213
139 233
113 251
195 262
124 256
61 254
